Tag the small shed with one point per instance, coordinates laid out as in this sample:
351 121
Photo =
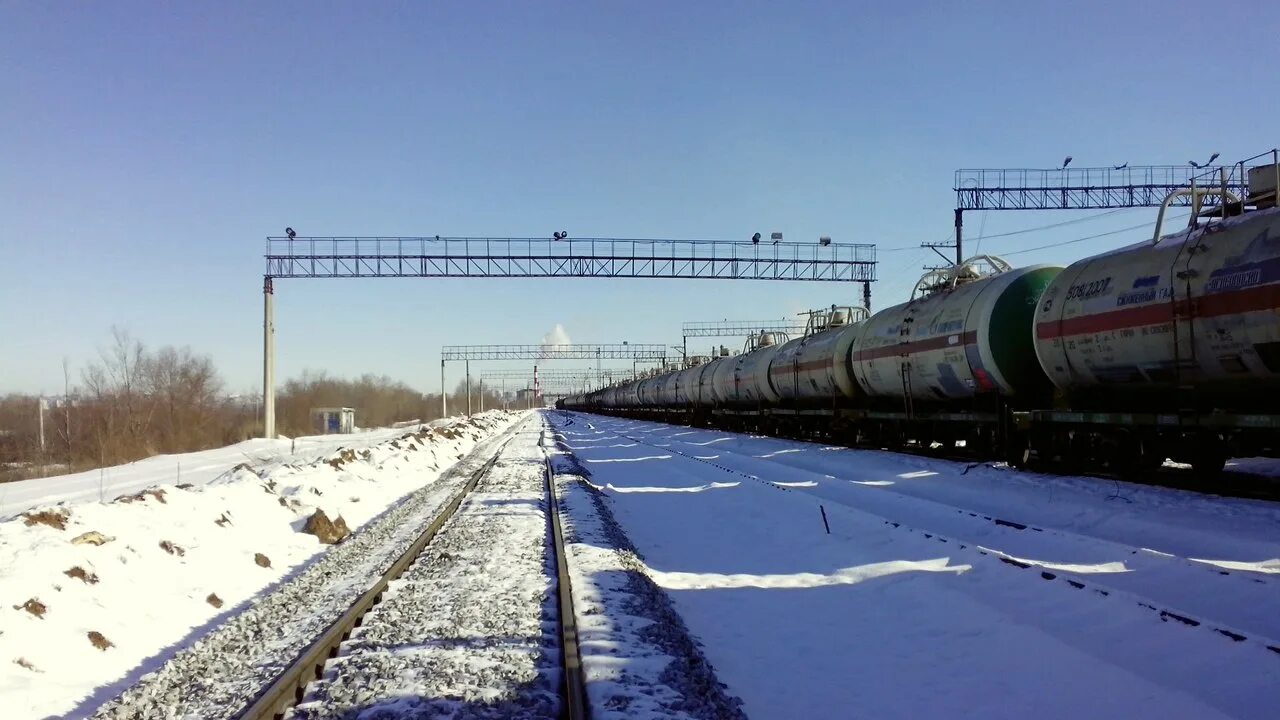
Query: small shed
331 421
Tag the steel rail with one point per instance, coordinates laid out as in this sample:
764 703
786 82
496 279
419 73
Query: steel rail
288 687
573 692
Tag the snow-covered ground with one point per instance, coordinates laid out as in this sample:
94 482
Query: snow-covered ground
196 468
82 620
637 657
470 629
944 589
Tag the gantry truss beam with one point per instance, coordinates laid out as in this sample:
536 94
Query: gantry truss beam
559 373
741 328
1089 188
336 257
550 376
620 351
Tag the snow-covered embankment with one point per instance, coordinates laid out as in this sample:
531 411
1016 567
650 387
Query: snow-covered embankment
97 594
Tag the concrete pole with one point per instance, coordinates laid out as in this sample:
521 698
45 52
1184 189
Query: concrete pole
268 360
40 409
468 368
481 394
444 395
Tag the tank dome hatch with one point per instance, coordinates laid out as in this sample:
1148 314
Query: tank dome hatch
764 339
949 278
833 317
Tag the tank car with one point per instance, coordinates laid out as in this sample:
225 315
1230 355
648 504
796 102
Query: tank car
718 380
965 334
751 373
1195 311
814 369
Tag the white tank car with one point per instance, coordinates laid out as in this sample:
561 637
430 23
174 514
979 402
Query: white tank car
970 333
750 377
647 392
723 388
671 388
1198 307
688 383
707 381
816 366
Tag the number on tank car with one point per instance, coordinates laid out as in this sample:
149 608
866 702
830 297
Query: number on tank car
1091 289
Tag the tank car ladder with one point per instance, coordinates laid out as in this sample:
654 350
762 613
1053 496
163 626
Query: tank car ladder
1184 310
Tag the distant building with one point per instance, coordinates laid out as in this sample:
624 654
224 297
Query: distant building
333 421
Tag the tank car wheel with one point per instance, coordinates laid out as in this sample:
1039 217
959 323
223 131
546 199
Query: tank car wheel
1209 457
1017 450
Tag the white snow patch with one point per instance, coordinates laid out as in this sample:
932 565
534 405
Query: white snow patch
172 548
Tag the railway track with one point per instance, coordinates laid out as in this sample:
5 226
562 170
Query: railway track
292 691
1139 613
1238 597
1229 483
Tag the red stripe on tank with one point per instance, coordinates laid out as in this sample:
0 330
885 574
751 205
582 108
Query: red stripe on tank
1266 297
801 367
918 346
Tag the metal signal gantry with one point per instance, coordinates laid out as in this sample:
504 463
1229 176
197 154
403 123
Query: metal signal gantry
333 257
737 328
519 373
571 351
295 256
635 352
1083 188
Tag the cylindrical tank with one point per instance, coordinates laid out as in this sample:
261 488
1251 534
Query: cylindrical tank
955 343
1198 308
706 382
751 375
667 388
648 392
815 367
688 383
723 391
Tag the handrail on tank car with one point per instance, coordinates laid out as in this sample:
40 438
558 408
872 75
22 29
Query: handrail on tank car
824 319
969 270
1196 194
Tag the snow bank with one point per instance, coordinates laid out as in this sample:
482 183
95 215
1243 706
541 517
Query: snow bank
93 591
195 468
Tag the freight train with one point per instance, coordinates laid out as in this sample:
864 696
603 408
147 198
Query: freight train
1169 348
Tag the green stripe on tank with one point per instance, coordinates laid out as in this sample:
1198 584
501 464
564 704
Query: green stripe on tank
1011 333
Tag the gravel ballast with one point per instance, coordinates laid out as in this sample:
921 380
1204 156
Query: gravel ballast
470 629
225 670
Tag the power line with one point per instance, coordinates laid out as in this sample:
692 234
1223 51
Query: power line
1054 225
1087 237
1024 231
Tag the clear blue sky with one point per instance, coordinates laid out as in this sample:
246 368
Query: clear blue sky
149 148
